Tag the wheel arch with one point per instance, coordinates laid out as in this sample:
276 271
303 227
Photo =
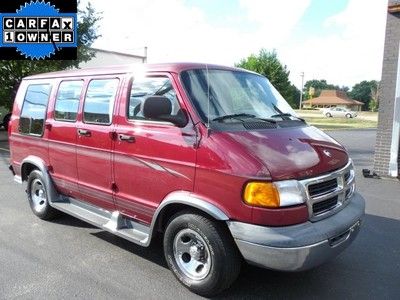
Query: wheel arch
178 201
31 163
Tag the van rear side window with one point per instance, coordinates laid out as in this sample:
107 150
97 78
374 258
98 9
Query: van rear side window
67 102
99 101
34 109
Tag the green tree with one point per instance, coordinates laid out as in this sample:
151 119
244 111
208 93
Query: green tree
12 71
374 103
267 64
364 91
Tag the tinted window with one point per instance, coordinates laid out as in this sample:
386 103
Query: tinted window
150 86
34 109
67 102
99 101
217 93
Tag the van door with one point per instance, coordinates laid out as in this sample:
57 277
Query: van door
94 142
62 137
151 159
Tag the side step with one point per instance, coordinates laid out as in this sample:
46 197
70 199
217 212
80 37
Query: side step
112 222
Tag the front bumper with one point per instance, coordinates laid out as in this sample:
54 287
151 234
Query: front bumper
303 246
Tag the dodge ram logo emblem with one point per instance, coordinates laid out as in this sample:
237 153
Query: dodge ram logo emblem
327 153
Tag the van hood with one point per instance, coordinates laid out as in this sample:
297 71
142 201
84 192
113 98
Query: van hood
292 153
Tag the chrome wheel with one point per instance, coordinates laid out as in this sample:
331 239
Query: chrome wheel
192 254
38 195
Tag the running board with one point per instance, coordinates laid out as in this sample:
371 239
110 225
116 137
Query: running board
112 222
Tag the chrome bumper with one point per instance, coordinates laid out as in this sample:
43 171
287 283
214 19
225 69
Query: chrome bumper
303 246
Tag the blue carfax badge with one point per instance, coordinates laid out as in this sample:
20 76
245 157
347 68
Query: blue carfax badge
37 30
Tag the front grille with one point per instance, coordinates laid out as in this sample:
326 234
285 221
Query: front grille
322 187
347 176
259 125
329 193
325 205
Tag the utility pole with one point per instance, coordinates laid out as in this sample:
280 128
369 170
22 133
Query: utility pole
302 87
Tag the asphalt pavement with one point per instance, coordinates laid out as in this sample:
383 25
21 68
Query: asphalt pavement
67 258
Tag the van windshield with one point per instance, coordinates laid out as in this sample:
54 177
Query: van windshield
233 94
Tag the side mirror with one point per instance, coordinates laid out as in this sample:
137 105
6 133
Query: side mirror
159 108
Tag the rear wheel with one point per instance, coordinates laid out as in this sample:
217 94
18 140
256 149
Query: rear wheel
38 197
328 115
348 116
201 253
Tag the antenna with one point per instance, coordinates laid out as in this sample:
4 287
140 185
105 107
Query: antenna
208 102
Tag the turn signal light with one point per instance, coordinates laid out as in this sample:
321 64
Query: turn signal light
264 194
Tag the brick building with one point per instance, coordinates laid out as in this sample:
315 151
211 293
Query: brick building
387 159
333 98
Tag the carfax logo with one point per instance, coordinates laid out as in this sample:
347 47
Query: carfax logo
37 30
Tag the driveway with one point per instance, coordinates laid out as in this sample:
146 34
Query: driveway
68 258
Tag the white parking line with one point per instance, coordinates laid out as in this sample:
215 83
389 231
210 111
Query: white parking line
4 149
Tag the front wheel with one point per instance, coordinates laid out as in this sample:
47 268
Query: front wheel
201 253
328 115
348 116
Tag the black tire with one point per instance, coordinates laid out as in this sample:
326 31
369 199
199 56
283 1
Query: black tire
348 116
38 197
224 258
6 119
328 115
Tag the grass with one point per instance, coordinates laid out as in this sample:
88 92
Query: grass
363 120
340 123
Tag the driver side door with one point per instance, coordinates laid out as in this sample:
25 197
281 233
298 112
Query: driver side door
151 158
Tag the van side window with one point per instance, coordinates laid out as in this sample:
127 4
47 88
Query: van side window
150 86
34 109
67 101
99 101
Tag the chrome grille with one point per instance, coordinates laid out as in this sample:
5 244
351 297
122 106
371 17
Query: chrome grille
329 193
322 187
325 205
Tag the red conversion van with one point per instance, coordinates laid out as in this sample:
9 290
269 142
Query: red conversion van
212 158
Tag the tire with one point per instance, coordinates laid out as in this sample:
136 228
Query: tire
38 197
328 115
348 116
216 262
6 119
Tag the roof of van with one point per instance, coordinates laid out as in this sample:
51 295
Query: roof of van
131 68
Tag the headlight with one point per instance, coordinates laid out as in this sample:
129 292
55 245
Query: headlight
273 195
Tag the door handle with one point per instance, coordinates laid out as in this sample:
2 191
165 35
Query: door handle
84 132
126 138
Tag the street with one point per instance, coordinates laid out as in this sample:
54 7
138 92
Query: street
67 258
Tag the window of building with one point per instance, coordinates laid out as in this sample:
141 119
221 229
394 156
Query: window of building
150 86
34 109
99 101
67 102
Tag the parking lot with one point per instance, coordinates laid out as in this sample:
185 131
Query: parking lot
68 258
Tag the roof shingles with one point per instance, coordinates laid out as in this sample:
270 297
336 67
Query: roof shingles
333 97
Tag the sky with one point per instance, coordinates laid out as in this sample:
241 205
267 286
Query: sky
337 40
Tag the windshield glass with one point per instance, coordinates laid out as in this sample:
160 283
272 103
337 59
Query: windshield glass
233 93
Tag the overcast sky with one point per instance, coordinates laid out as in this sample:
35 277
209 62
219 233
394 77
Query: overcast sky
337 40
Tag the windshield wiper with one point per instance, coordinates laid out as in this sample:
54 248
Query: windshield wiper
233 116
244 115
286 117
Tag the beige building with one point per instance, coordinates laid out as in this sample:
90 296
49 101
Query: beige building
333 98
107 58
